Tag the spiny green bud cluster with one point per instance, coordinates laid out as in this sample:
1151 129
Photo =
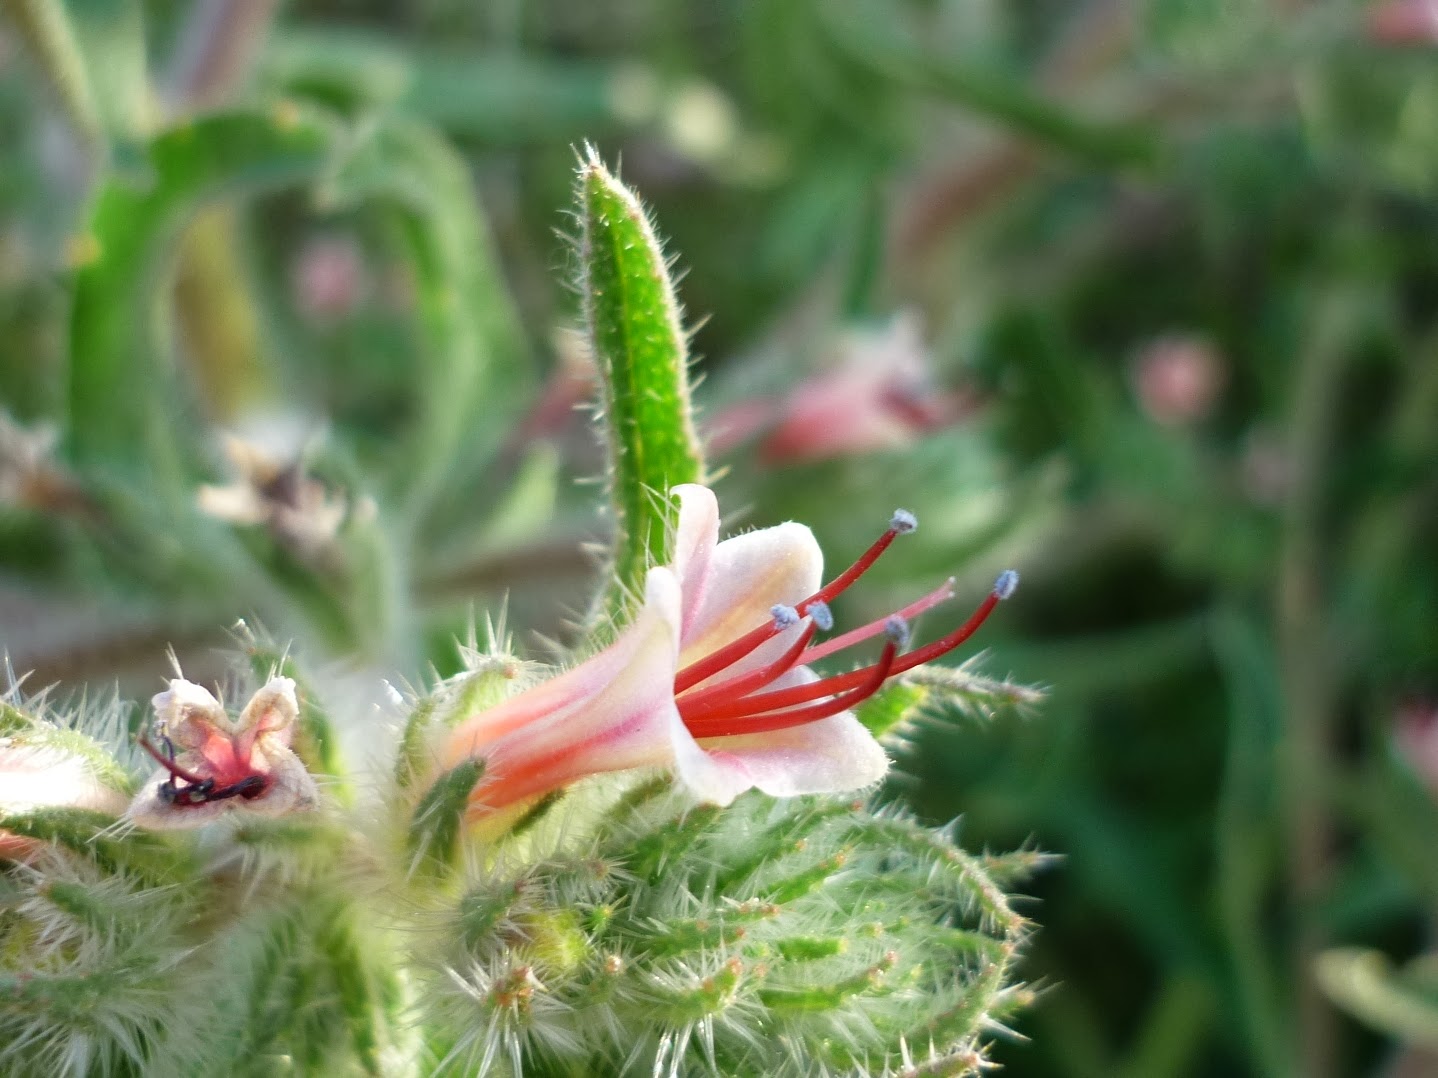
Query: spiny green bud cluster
613 927
128 952
796 937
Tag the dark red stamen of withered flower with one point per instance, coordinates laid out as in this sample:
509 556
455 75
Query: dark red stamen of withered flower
737 706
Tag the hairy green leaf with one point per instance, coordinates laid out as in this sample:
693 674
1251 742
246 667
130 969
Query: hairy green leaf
642 355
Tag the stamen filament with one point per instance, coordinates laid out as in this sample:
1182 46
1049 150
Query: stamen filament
721 725
762 703
175 770
821 651
736 649
755 679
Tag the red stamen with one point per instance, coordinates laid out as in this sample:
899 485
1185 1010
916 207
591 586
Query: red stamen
735 650
175 770
720 725
761 703
755 679
874 628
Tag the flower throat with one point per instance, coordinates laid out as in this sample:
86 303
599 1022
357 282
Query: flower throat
745 703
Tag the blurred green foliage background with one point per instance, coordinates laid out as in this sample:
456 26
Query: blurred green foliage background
1139 297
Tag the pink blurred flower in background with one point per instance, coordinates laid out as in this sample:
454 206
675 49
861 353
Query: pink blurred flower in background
1403 22
1177 379
328 277
573 383
1415 735
877 393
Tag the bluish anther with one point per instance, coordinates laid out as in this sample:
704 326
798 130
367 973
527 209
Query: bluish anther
822 615
903 522
897 630
784 616
1006 584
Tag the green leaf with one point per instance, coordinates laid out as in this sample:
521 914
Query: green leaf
475 353
116 338
494 96
111 36
641 352
873 37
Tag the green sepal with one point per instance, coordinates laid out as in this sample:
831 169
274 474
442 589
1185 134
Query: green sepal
433 838
891 707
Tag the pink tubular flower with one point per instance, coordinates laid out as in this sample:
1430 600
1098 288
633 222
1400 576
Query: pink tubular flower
711 678
880 395
1403 22
223 766
35 776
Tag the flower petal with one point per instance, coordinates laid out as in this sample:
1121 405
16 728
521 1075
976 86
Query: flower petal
830 755
292 788
615 715
575 688
271 712
189 714
748 575
695 538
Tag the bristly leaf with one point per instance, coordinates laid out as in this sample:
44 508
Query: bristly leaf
642 356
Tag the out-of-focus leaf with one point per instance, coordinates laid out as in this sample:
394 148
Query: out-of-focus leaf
111 34
1403 1002
117 341
642 355
491 97
476 374
874 37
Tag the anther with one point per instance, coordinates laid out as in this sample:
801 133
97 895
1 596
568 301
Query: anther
903 522
784 616
822 615
1006 584
897 630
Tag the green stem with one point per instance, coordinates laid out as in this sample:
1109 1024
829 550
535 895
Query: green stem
1309 671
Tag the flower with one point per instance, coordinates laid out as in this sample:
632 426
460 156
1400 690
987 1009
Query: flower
1415 734
1177 379
1403 22
300 512
711 679
35 775
879 396
44 776
223 766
